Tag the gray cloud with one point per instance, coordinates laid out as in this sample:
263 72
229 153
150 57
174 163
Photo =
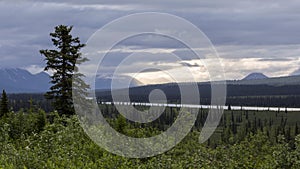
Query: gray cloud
190 65
151 70
153 41
266 30
276 59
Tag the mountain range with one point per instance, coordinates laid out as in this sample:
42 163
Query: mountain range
261 79
258 91
15 80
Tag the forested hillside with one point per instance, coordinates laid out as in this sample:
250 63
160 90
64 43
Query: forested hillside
32 139
238 95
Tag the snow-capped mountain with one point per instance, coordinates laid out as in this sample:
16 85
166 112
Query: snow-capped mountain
15 80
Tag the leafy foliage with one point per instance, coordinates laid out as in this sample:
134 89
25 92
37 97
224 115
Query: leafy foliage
29 140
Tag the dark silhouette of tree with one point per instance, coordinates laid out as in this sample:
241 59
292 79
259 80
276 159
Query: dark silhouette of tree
229 107
4 104
63 62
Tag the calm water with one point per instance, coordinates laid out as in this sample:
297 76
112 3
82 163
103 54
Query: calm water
206 106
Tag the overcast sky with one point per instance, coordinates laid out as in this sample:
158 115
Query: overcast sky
250 36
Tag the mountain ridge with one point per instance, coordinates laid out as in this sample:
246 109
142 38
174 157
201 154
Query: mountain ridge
16 80
255 76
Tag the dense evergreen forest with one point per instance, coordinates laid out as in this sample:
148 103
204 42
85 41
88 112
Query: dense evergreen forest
32 138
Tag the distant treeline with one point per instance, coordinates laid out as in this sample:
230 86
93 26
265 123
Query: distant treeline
238 95
26 100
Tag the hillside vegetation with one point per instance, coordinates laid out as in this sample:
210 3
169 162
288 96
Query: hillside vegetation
30 139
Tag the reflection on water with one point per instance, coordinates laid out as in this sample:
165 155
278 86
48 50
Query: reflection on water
205 106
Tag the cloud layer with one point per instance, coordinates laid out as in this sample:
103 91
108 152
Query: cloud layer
260 36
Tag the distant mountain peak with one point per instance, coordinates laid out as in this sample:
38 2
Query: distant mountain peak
255 76
16 80
296 72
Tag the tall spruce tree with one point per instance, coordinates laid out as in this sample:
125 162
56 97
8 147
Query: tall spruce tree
4 104
63 63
